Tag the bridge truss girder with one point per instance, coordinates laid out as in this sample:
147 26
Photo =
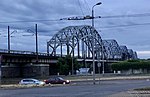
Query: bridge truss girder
124 51
132 54
113 49
77 38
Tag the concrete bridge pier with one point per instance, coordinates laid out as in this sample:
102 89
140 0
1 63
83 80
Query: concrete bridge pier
35 70
25 70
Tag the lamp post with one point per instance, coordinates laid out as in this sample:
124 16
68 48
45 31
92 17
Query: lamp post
93 52
99 3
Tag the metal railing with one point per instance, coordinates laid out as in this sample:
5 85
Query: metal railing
22 52
27 52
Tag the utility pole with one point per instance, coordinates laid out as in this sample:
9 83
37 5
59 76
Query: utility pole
73 54
93 42
84 18
8 40
36 42
103 64
0 70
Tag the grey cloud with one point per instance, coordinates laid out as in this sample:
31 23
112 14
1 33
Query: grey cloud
27 10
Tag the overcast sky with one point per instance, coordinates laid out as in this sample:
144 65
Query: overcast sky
130 31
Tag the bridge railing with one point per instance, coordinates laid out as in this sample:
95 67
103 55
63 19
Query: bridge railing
27 52
3 50
46 54
22 52
16 51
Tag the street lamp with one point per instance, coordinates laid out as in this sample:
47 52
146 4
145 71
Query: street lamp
93 13
99 3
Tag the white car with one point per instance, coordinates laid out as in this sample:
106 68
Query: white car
30 81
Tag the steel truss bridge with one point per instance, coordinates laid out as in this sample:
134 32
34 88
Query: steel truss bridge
77 42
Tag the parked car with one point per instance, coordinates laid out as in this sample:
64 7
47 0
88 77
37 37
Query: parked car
30 81
56 80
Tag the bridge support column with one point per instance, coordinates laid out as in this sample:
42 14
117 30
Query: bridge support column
55 47
61 49
68 49
10 70
88 51
36 70
25 70
78 48
48 48
61 45
83 51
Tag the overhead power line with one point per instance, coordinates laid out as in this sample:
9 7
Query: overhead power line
115 16
81 18
87 7
80 6
126 25
30 21
129 15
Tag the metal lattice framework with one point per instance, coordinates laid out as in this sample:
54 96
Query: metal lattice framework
124 51
130 51
113 49
135 55
132 54
77 38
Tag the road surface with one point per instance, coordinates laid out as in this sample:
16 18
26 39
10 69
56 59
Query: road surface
79 89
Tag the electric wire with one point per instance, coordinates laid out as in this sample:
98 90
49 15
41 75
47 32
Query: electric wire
130 15
87 6
80 7
58 20
48 20
115 26
115 16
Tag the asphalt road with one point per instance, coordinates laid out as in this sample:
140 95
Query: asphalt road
78 89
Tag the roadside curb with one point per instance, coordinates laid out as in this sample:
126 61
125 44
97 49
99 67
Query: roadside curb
139 92
115 78
16 86
132 93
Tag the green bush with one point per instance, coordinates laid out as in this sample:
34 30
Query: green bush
131 64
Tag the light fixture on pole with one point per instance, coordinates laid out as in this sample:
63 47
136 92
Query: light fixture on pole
93 13
93 52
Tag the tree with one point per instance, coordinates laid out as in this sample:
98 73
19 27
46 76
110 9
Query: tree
65 65
63 68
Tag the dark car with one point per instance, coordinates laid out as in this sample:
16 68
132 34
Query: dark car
56 80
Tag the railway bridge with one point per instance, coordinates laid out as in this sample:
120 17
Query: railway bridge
78 41
75 41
